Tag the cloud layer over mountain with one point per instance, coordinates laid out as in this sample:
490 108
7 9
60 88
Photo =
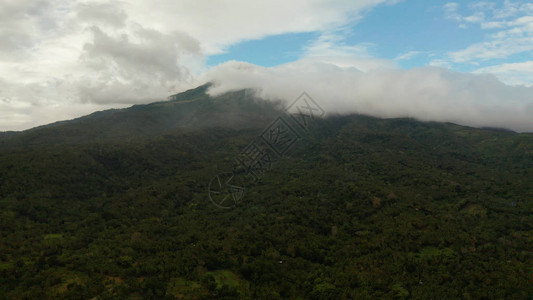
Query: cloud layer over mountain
57 55
61 59
429 93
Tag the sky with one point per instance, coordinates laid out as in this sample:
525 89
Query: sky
467 62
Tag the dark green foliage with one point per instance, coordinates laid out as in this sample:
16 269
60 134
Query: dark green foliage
114 206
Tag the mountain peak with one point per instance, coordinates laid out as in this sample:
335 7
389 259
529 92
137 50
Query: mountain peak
188 111
191 93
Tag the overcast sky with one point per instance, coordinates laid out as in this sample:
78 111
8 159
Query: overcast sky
469 62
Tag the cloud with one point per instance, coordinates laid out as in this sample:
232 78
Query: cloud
492 25
442 63
509 9
408 55
513 26
35 104
134 66
23 24
79 53
330 48
64 58
451 11
429 94
108 13
219 24
475 18
511 73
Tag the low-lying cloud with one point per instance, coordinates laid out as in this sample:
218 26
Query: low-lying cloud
428 94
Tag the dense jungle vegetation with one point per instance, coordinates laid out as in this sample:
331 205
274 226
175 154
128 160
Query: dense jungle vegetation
115 206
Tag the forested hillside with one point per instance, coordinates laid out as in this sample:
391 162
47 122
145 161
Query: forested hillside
115 206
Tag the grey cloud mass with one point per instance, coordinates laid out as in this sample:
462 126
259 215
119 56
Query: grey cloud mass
142 64
108 13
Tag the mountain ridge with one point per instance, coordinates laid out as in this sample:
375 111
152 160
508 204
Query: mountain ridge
182 111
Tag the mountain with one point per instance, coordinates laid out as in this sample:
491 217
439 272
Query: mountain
125 204
190 111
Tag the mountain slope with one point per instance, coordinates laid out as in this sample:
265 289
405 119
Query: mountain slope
189 111
115 205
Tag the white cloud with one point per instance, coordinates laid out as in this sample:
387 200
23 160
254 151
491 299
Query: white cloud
219 24
492 25
511 73
482 5
425 93
475 18
451 7
329 48
514 31
451 12
442 63
408 55
509 9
